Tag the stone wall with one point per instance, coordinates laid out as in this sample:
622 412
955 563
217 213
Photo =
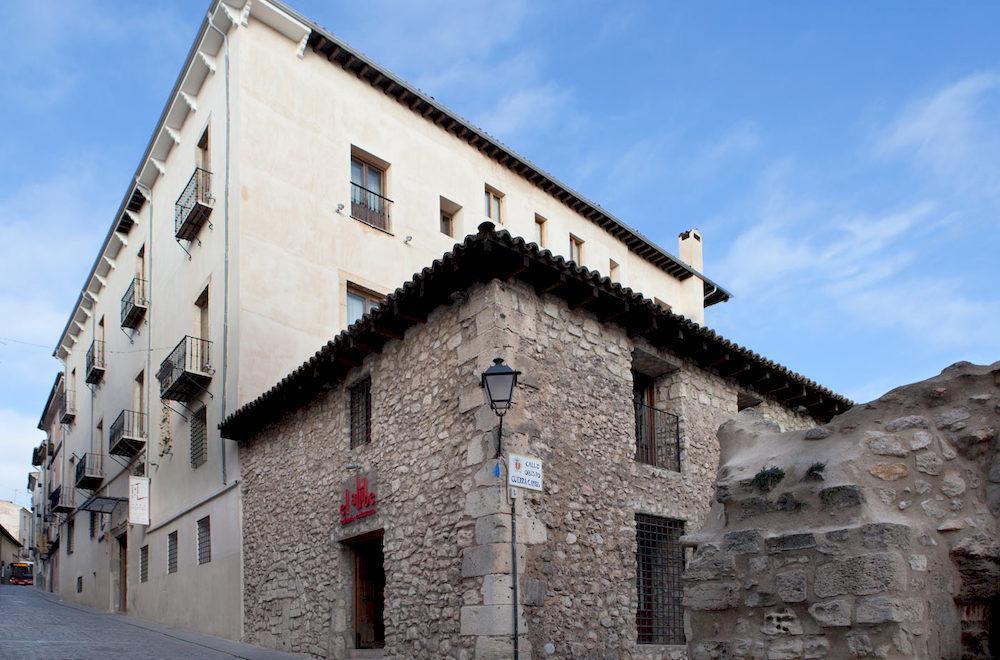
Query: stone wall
872 536
444 512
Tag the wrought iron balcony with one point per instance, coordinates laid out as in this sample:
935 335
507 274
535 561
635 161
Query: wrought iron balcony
95 362
657 437
62 499
194 205
127 435
370 207
134 303
67 411
186 371
89 471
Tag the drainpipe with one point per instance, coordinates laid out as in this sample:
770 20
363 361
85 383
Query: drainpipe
225 275
147 379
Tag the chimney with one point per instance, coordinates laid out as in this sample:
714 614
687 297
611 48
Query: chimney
689 248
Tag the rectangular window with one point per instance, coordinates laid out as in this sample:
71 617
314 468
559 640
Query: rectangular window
172 552
575 250
204 540
202 327
70 528
613 270
360 302
361 412
657 432
539 230
368 201
79 584
144 564
93 524
204 152
449 216
659 565
199 437
494 205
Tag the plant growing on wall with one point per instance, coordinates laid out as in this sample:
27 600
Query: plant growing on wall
768 478
815 472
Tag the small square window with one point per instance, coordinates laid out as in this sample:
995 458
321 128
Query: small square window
361 412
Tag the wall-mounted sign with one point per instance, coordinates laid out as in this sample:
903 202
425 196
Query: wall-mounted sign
358 501
138 500
524 472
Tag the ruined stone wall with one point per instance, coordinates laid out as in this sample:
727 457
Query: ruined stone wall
874 536
445 513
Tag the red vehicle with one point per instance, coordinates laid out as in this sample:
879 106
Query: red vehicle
22 573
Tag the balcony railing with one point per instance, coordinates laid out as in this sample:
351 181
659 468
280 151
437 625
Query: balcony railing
95 362
370 207
186 371
127 435
657 437
194 205
89 471
67 410
134 303
62 499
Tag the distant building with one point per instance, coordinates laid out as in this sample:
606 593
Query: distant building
17 521
375 507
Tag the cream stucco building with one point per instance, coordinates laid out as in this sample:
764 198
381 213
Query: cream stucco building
289 185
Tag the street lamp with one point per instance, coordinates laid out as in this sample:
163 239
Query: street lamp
498 383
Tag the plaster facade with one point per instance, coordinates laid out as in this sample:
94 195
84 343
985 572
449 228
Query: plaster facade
274 124
445 516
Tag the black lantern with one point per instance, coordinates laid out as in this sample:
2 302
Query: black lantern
499 382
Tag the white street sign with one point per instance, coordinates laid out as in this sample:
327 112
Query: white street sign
138 500
524 472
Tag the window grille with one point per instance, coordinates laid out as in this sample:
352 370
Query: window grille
361 413
79 584
199 440
172 552
144 564
659 565
69 536
204 540
93 524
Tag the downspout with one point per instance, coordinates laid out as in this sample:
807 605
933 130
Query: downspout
148 378
225 272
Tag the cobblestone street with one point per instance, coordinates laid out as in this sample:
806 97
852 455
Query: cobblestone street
37 626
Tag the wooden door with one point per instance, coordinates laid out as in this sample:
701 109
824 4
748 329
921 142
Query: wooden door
369 595
123 572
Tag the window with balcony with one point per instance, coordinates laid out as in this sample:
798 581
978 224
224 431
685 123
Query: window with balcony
186 371
95 356
134 304
360 301
657 432
494 205
193 206
659 566
369 203
361 412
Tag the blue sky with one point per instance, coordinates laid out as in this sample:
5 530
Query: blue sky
841 160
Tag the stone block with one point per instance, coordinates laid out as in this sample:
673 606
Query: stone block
534 592
889 471
921 440
746 541
485 501
883 536
952 483
884 444
711 566
485 559
711 596
784 649
836 498
818 433
951 420
832 613
790 542
861 575
791 586
928 462
488 620
907 422
755 598
781 622
888 609
815 646
496 590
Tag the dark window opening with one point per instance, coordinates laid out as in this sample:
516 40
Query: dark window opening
659 565
199 437
657 432
204 540
144 564
79 584
361 413
93 524
69 536
172 552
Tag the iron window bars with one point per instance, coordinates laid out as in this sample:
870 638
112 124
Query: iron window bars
659 565
193 206
370 207
134 303
361 412
127 435
95 362
657 437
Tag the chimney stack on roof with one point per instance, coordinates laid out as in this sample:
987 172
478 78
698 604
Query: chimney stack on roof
689 248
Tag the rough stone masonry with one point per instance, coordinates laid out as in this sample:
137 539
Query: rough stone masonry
872 536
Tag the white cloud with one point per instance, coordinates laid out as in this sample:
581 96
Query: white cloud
18 436
952 134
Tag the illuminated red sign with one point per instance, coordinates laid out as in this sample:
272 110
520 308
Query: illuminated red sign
357 503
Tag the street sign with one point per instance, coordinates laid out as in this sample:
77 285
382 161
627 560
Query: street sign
524 472
138 500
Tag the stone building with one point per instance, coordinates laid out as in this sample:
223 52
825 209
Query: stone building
875 535
374 509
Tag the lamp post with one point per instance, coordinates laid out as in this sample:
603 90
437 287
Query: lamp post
498 383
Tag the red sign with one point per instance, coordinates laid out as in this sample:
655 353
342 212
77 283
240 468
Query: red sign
359 503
